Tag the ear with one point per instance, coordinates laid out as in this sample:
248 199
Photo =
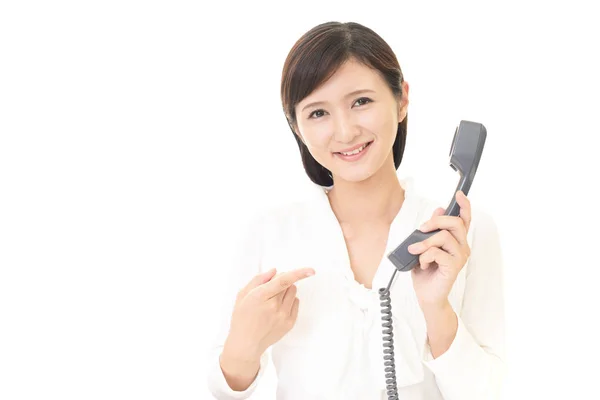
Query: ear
403 103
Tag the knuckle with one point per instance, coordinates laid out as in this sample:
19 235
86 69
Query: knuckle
285 282
254 294
272 307
250 295
446 236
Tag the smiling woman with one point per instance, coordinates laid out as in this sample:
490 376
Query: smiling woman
342 88
319 319
351 117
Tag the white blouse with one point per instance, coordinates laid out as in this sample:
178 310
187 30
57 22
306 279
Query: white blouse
335 349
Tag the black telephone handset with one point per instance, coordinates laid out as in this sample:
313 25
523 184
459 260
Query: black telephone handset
465 153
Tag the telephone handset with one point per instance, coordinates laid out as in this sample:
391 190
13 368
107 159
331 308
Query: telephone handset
465 153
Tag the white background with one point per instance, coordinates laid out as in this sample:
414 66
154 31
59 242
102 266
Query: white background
137 137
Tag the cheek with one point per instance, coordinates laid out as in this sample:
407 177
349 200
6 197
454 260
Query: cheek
318 136
379 121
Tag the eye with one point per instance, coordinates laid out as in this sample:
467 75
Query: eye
317 113
363 101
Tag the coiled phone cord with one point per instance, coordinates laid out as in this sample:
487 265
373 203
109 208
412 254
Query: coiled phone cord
388 341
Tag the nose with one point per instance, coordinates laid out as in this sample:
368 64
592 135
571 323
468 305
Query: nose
345 129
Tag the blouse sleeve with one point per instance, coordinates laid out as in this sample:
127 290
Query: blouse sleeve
473 366
245 264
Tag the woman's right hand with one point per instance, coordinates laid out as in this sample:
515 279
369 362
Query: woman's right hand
265 310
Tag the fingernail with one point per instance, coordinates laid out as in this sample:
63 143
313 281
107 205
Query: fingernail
309 273
423 226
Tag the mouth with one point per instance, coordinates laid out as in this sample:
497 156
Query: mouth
354 154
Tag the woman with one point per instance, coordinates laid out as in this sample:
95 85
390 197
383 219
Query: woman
311 271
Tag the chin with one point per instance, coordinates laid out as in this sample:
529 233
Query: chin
354 176
358 173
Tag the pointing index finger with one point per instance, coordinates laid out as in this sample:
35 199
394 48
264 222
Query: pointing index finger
283 281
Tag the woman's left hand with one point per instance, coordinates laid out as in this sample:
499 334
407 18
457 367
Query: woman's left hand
442 255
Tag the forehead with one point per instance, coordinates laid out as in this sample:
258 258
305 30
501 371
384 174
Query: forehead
351 76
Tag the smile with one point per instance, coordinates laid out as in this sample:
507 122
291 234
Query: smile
354 154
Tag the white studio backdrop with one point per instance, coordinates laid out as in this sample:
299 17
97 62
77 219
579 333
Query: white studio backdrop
136 138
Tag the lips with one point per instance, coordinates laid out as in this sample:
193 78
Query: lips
355 153
352 149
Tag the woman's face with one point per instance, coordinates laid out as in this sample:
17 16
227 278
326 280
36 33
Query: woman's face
353 109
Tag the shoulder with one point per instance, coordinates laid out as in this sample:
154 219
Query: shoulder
486 236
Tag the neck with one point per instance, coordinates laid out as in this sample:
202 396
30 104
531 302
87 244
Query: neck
377 199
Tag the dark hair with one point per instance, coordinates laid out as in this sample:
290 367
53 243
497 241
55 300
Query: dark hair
315 57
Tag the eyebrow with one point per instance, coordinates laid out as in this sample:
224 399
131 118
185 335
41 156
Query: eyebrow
354 93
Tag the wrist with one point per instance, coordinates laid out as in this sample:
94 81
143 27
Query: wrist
241 350
442 325
239 372
236 365
436 308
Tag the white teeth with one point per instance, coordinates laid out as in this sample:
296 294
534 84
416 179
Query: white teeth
355 151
